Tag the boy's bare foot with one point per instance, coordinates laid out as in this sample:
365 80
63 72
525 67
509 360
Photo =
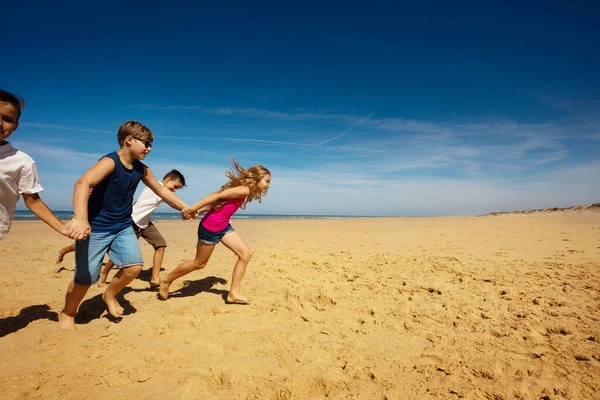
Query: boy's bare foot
60 257
236 299
114 308
163 291
103 278
154 283
66 322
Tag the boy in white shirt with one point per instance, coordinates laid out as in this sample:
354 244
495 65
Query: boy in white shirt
143 225
18 174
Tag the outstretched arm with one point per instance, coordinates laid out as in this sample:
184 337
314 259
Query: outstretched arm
197 213
39 208
161 191
238 192
80 227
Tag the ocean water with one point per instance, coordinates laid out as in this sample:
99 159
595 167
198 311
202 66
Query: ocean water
26 215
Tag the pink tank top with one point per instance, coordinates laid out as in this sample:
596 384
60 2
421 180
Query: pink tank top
217 220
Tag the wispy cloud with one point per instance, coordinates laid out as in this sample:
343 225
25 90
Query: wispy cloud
564 128
210 138
252 112
362 121
469 147
63 127
241 140
377 187
64 157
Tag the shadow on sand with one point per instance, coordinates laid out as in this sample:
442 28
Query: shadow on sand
192 288
94 307
26 316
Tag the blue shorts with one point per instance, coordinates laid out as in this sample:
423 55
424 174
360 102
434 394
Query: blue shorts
122 247
208 237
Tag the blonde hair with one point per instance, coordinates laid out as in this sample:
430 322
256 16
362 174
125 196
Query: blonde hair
239 176
134 129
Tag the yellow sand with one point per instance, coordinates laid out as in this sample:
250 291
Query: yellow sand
497 307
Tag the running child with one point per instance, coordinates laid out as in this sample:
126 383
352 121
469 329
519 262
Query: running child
244 186
143 224
18 173
107 214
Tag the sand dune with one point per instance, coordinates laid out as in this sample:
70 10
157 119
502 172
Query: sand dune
397 308
583 208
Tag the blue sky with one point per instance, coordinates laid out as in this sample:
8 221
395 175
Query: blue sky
356 108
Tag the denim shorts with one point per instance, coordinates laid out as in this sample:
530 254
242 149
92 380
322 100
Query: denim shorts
208 237
122 248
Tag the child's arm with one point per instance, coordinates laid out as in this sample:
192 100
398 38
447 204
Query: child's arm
199 212
80 227
238 192
161 191
39 208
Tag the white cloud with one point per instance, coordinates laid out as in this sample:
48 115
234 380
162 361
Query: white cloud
407 167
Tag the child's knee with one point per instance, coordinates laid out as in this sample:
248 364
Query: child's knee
133 270
246 254
199 265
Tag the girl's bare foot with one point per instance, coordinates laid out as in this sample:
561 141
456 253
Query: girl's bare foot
114 308
66 322
236 299
163 291
154 283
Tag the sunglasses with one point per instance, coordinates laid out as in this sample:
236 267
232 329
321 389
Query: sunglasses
147 143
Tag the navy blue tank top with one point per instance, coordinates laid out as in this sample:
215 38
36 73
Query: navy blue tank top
111 201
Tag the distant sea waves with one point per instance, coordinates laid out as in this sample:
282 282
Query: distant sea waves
26 215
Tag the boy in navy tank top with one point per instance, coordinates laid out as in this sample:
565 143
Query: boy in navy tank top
102 221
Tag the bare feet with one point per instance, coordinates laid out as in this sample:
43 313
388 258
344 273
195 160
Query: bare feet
103 278
154 283
114 308
60 257
234 298
163 291
66 322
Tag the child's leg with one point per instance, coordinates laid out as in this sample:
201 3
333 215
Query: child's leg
75 293
153 236
156 264
63 251
104 273
203 253
235 243
123 278
125 252
88 260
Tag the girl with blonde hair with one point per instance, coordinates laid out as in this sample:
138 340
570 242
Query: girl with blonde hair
244 186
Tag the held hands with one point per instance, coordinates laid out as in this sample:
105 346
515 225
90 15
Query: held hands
65 229
187 213
78 229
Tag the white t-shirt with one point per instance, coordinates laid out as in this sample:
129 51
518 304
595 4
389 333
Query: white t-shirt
18 175
144 206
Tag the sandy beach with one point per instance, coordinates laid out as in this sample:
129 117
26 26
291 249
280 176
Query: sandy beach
494 307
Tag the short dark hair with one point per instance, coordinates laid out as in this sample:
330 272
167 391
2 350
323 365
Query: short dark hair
134 129
17 101
173 175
